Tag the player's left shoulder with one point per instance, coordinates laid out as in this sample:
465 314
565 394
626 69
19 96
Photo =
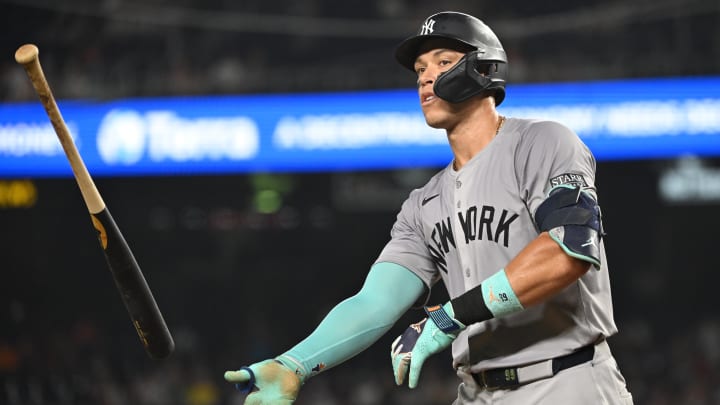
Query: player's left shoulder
547 127
548 132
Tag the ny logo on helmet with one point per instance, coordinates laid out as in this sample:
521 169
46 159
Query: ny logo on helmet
427 28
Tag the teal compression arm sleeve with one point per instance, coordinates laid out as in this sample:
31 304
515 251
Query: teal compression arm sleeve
357 322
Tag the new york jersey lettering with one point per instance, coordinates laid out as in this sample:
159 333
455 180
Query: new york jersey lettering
442 238
476 224
483 226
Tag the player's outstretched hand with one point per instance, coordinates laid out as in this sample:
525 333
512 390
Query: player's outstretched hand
421 340
268 383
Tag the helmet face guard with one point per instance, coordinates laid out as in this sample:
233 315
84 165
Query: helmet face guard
483 68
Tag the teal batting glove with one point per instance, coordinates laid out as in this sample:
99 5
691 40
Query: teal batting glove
266 382
421 340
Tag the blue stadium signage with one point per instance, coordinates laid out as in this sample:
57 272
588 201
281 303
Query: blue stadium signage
628 119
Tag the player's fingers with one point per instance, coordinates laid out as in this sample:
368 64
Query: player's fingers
258 400
394 348
252 399
255 399
397 351
400 367
240 376
415 367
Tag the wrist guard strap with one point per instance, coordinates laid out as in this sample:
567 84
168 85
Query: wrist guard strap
443 320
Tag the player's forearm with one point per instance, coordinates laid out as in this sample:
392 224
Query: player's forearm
538 272
357 322
541 270
345 332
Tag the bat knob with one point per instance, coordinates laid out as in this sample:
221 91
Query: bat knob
26 54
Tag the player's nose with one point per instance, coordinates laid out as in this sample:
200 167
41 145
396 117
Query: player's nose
427 77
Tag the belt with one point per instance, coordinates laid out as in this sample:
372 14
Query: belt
514 376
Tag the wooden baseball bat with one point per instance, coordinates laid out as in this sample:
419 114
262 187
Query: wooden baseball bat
139 300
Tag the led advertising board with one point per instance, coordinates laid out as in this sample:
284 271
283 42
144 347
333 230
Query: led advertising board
624 119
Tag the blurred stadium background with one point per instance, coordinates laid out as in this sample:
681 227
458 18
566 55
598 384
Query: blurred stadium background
244 264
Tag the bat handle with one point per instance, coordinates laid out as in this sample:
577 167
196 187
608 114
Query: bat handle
28 56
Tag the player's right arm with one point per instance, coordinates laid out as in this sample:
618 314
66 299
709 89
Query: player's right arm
348 329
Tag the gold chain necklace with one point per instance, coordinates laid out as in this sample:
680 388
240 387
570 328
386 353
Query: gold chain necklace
500 124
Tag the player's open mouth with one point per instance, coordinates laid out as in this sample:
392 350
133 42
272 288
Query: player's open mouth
427 98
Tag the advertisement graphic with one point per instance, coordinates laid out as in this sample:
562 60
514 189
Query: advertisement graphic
624 119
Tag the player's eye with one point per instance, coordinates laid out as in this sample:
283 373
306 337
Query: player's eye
420 70
445 62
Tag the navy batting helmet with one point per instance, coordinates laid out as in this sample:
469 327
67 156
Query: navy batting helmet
484 66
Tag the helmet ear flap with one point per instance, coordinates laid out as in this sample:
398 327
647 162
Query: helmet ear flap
469 77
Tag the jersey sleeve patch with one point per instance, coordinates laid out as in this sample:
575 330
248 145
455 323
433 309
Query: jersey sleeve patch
571 179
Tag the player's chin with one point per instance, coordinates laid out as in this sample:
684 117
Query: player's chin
436 121
437 116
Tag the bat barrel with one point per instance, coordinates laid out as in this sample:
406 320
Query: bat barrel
134 290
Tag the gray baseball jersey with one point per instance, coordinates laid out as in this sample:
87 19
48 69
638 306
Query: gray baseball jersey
463 226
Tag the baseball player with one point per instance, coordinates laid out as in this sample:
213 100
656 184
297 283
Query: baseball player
513 229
